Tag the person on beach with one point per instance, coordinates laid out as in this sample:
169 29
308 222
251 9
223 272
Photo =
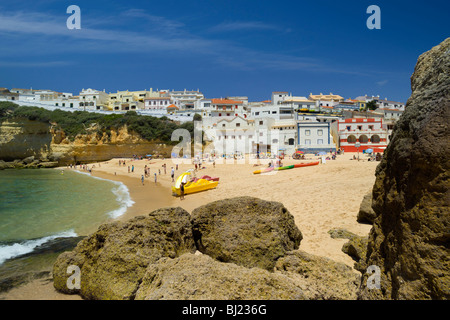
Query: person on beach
132 168
155 178
142 179
182 191
177 166
172 174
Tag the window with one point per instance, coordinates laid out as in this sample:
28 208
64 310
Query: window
274 112
371 127
307 141
238 124
359 127
307 132
261 122
351 139
375 138
320 132
349 128
223 125
256 113
319 141
291 141
275 141
363 138
228 114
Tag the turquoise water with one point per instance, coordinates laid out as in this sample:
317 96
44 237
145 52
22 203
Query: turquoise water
38 205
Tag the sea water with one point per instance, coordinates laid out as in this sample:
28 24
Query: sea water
39 205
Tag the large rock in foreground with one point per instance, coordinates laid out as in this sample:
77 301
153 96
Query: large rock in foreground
246 231
409 240
319 278
113 260
199 277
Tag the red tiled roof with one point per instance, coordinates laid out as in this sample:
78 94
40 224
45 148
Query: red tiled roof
225 101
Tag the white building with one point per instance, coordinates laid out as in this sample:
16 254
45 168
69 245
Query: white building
160 103
382 103
231 135
390 114
313 137
186 98
283 135
91 99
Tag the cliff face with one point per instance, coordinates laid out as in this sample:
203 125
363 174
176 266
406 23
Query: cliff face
409 240
20 139
24 138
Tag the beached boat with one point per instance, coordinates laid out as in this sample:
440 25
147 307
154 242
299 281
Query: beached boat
298 165
264 170
285 167
192 186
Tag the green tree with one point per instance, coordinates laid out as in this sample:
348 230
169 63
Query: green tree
197 117
371 105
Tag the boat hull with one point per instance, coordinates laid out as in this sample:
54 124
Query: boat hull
298 165
197 186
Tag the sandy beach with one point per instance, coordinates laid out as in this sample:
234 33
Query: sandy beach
319 197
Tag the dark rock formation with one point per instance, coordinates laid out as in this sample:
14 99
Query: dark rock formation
193 277
366 213
113 260
409 240
246 231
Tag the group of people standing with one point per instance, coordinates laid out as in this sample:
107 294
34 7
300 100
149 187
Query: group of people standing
147 173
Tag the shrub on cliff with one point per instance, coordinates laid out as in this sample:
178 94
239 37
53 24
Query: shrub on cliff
74 123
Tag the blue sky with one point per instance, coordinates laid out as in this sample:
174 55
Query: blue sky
222 47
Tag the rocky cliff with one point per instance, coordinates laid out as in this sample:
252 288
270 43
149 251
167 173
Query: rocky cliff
409 240
44 145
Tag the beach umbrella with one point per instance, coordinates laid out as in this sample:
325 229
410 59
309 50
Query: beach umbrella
322 153
148 155
299 152
369 150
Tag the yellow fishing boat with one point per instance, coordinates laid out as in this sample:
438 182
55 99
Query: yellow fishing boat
192 186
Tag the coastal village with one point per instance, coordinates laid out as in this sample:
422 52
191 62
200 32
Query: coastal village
285 124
